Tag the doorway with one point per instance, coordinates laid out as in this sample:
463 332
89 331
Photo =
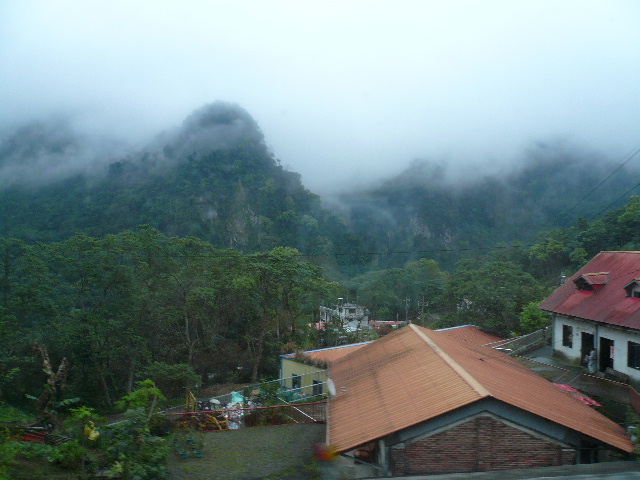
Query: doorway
587 344
606 353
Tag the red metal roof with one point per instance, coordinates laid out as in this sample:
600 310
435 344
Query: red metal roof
596 278
414 374
608 304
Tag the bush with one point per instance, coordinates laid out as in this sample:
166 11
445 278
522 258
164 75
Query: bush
68 455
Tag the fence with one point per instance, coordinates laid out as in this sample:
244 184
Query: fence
303 393
519 345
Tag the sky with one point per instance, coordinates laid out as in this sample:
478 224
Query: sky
344 91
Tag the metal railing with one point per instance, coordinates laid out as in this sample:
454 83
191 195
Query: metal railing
236 418
286 394
522 344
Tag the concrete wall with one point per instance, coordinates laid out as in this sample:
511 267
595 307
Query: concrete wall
307 373
620 337
482 443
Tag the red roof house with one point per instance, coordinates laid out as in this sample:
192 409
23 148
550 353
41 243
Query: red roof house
597 312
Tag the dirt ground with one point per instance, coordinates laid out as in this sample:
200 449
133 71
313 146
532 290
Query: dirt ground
282 452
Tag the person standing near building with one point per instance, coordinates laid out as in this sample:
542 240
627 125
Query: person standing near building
591 361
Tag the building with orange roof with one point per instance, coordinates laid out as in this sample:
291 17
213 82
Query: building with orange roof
307 372
420 402
596 314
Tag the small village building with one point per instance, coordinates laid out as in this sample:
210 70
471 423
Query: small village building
307 372
596 315
352 317
421 402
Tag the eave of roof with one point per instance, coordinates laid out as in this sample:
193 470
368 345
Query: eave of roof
471 333
328 354
414 375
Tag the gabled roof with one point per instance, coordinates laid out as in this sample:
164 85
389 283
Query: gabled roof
592 280
608 304
469 333
414 375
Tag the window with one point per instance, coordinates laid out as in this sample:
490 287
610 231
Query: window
567 336
317 387
296 381
633 289
633 355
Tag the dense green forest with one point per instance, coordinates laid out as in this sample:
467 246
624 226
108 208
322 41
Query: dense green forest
213 178
199 259
424 213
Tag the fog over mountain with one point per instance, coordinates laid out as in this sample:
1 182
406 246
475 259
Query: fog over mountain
344 92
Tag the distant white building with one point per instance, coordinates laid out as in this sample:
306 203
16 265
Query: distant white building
352 317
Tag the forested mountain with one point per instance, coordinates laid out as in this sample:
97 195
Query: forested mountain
213 178
174 262
423 213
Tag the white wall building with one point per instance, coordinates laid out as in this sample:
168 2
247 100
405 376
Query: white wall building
598 309
352 317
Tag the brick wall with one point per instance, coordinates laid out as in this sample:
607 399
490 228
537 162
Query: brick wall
481 444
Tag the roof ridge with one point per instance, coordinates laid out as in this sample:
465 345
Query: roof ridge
459 369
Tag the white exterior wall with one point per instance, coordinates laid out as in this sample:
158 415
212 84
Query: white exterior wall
578 327
619 336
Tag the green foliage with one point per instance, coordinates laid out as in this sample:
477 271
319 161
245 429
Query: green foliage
490 296
532 319
146 397
385 292
30 450
237 197
85 425
268 395
68 455
172 379
134 452
10 414
8 452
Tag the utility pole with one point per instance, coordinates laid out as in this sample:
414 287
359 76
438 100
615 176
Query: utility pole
422 304
406 309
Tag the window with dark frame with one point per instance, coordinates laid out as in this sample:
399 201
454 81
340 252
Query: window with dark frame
317 387
633 355
296 381
567 336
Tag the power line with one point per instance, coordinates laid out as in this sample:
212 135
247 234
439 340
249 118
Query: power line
615 201
632 154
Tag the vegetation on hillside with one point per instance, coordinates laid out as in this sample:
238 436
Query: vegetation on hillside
201 259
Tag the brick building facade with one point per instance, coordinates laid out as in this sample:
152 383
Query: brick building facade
483 443
421 402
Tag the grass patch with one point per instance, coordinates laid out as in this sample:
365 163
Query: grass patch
282 452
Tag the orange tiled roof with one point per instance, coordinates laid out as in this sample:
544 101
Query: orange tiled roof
471 333
416 374
330 354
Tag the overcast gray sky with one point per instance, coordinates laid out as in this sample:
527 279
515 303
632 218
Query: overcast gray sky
341 89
